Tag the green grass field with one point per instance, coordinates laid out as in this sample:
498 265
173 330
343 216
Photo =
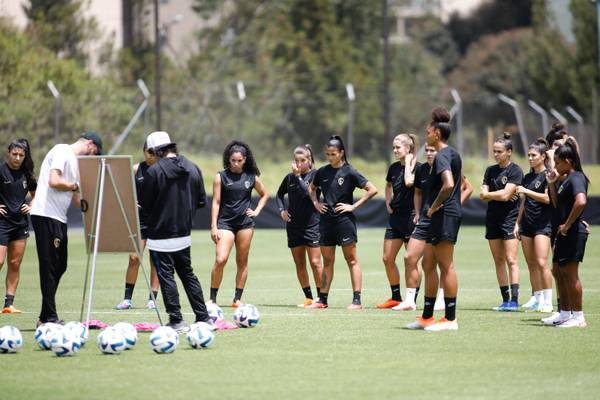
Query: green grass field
301 354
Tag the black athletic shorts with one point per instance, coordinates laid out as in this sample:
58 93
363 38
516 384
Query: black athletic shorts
421 231
338 232
532 231
144 232
569 248
500 230
235 228
302 236
10 233
400 226
443 228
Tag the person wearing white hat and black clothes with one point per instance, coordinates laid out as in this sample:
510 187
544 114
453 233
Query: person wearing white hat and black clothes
173 189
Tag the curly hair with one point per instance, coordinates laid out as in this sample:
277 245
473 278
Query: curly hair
237 146
27 166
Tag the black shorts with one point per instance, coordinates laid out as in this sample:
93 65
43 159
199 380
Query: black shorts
421 231
337 232
400 226
443 228
533 231
504 230
144 232
235 228
569 248
302 236
10 233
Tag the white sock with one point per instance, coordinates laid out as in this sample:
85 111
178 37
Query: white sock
565 314
578 315
547 293
410 295
440 294
537 295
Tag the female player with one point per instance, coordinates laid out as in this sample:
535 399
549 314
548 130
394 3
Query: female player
569 198
499 191
445 215
302 220
533 227
134 262
232 218
399 193
17 180
337 226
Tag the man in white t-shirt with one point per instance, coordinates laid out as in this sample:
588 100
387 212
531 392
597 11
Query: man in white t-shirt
58 186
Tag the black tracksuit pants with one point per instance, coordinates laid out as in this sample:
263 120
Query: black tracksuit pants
51 244
166 266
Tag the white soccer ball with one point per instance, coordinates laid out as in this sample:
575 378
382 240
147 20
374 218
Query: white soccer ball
111 341
214 312
11 339
129 333
79 329
200 335
64 342
246 316
164 340
43 334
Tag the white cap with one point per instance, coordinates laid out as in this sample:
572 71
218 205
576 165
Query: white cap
158 139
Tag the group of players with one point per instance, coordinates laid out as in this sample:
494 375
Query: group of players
423 201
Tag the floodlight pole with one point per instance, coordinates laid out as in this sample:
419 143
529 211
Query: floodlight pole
515 106
560 117
56 95
457 110
540 110
141 109
157 66
581 127
351 101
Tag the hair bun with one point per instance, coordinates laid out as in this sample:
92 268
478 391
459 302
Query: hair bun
506 135
543 141
557 127
440 114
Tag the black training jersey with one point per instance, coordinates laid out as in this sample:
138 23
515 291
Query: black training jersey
496 178
13 191
423 180
567 190
337 186
236 193
140 175
535 213
402 201
447 159
300 207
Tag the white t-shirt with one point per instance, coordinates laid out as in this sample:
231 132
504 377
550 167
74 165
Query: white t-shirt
49 202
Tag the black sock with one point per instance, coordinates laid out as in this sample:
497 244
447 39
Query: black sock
396 292
558 304
318 292
417 293
155 293
238 294
356 297
514 292
428 307
307 292
129 290
8 300
450 308
323 298
213 294
505 294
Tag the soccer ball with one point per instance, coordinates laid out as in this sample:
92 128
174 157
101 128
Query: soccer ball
201 335
214 312
111 341
64 342
129 333
164 340
10 339
43 334
246 316
79 329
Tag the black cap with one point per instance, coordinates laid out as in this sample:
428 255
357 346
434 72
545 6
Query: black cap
94 137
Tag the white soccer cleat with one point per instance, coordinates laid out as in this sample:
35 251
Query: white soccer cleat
572 323
555 319
442 325
531 303
405 306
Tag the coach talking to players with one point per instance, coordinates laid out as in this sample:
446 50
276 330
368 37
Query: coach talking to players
172 191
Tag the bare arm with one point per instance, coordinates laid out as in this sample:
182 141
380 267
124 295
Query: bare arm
321 207
370 191
445 191
388 197
519 218
505 194
576 211
539 197
264 197
214 212
418 201
409 170
466 189
56 181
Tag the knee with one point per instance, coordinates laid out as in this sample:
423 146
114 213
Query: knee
328 261
512 261
220 261
315 262
387 260
351 261
14 264
242 262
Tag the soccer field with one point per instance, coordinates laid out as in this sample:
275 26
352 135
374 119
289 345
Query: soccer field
301 354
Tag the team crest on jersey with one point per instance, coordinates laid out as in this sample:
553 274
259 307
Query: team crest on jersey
24 184
56 242
247 184
340 181
504 180
560 189
538 184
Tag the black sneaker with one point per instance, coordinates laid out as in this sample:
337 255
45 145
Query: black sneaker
179 327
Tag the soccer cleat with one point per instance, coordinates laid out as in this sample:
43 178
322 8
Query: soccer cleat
236 304
307 302
512 306
179 327
442 325
534 307
544 308
151 305
317 305
389 303
572 323
502 307
124 305
355 307
421 323
11 310
531 303
405 306
554 319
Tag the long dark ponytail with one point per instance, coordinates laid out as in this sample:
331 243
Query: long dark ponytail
569 151
337 142
27 167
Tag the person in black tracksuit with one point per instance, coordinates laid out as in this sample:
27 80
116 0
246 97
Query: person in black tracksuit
499 191
172 192
232 218
302 220
16 181
337 226
534 228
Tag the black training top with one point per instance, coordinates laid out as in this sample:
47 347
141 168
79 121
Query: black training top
300 207
496 178
447 159
140 175
402 201
535 213
236 193
574 184
423 180
337 186
13 191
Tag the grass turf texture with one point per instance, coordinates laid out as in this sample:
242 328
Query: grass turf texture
299 354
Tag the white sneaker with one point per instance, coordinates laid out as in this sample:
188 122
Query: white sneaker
555 319
442 325
553 316
531 303
405 306
544 308
572 323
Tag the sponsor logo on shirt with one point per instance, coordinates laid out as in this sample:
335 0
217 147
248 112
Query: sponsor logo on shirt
340 181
